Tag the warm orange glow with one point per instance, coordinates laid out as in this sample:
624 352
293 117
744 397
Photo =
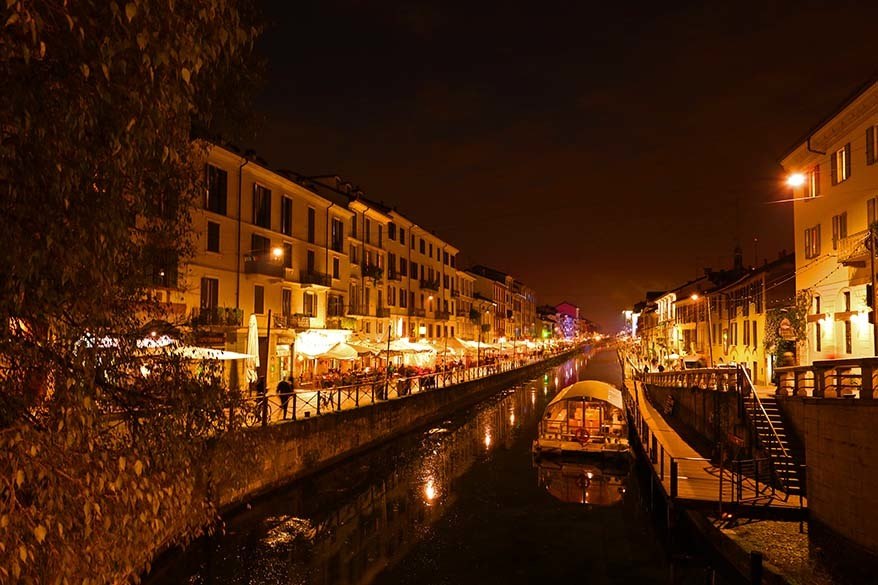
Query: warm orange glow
277 252
796 180
694 297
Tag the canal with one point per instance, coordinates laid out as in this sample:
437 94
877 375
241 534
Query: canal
459 502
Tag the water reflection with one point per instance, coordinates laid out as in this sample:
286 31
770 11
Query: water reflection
348 525
599 483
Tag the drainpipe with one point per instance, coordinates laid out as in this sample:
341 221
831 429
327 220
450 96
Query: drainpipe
808 147
238 241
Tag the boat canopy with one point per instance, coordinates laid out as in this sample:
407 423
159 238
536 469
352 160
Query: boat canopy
590 389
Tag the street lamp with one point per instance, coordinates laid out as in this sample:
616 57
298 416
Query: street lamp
796 180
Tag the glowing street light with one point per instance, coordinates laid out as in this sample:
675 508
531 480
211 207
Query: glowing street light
277 252
796 180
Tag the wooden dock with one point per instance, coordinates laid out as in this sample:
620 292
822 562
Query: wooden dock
691 479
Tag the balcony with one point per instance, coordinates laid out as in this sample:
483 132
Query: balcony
852 250
442 315
341 323
382 312
291 275
296 321
263 264
455 293
373 271
394 275
430 284
317 278
413 312
464 313
369 312
216 316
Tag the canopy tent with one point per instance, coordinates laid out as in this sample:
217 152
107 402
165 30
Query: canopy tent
364 348
403 345
590 389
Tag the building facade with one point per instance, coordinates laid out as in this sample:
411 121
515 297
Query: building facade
835 178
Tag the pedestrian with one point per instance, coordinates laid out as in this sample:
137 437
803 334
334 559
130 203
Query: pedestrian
260 397
284 390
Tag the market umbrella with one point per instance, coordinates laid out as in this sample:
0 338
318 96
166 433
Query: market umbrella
340 351
252 348
190 352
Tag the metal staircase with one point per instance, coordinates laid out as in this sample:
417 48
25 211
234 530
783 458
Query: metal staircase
771 437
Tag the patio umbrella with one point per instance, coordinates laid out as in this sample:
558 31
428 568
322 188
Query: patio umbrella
252 348
206 353
340 351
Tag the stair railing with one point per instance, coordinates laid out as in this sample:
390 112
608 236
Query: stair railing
760 409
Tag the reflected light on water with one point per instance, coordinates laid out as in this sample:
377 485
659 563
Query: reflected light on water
430 491
512 418
487 438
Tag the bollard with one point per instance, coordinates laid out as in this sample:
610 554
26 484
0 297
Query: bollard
756 568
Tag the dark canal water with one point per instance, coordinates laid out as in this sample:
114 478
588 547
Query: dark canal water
461 502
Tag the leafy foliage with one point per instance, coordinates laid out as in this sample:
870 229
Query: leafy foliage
98 463
797 314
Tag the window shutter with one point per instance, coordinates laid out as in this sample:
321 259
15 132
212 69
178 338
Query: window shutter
833 172
817 242
870 145
203 293
847 160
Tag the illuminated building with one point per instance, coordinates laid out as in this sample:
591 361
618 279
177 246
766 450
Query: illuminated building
834 182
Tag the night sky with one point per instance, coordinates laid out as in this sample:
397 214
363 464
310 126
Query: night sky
594 150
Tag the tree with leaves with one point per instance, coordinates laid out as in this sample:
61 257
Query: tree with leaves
98 462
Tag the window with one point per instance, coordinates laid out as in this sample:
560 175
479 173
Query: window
380 235
213 237
311 262
261 206
288 255
746 329
309 304
870 145
209 293
402 236
337 235
812 242
286 302
286 215
412 242
335 268
431 250
367 231
847 301
813 189
423 246
403 267
312 224
367 326
403 299
754 338
445 258
848 337
839 228
259 245
217 190
414 269
354 255
816 305
818 336
391 263
734 335
871 216
391 231
453 261
841 164
258 299
335 306
354 226
391 296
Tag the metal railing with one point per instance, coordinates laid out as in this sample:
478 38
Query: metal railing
853 247
222 316
304 403
312 277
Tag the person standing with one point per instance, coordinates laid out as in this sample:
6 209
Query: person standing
284 391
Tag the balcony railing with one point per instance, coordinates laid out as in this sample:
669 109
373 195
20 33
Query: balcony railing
291 275
430 284
382 312
394 275
358 311
443 315
219 316
413 312
373 271
263 264
318 278
852 249
296 321
341 323
455 293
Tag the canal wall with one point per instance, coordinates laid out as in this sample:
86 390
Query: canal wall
703 417
840 438
281 453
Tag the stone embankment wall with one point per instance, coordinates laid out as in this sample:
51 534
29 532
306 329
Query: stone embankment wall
707 416
281 453
840 437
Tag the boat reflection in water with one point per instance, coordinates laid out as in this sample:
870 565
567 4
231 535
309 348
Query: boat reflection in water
599 483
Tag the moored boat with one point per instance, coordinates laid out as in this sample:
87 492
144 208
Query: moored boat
585 417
